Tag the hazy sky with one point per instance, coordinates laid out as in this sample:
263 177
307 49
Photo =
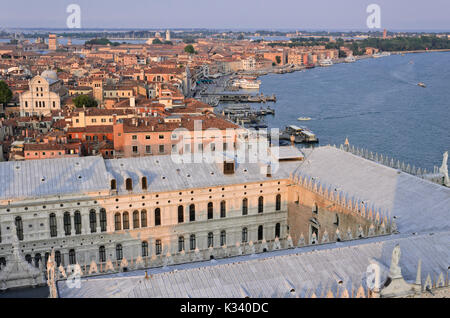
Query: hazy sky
273 14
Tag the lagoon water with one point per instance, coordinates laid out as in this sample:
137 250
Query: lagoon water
376 103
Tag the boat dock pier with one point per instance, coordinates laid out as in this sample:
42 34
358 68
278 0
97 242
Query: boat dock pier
246 115
243 97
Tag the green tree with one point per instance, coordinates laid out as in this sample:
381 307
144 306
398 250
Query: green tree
5 93
189 49
157 41
189 40
278 59
84 100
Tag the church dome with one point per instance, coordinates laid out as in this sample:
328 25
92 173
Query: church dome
49 74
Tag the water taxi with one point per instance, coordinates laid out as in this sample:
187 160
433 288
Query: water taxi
304 118
326 62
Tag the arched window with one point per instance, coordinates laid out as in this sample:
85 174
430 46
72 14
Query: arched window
125 221
260 204
157 216
53 228
129 184
37 259
158 247
144 249
223 209
180 214
19 228
72 257
192 242
336 220
135 219
113 184
210 211
117 222
277 230
58 258
101 254
223 238
244 235
67 223
93 221
278 202
2 261
210 239
28 258
144 183
180 243
315 209
77 221
244 206
103 220
119 252
192 212
260 233
144 218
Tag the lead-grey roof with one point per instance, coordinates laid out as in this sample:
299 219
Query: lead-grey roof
40 178
164 174
418 205
273 274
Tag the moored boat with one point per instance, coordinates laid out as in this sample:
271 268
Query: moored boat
298 134
326 62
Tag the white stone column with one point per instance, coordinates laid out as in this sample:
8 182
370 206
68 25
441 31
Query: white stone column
72 223
85 224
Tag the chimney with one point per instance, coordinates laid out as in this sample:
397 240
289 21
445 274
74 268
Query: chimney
132 102
269 171
228 167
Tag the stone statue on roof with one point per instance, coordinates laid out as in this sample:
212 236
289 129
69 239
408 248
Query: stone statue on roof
444 169
395 270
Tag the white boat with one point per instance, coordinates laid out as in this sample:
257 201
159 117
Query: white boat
422 85
326 62
350 59
383 54
304 118
246 84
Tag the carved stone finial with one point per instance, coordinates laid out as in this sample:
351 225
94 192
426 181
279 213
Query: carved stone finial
325 237
419 273
395 270
289 241
444 169
301 240
349 234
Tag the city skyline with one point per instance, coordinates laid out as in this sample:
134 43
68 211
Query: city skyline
400 15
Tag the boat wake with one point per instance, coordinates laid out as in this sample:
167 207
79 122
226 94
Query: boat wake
350 115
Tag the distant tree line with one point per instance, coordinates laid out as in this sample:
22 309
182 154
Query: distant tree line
405 43
102 41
